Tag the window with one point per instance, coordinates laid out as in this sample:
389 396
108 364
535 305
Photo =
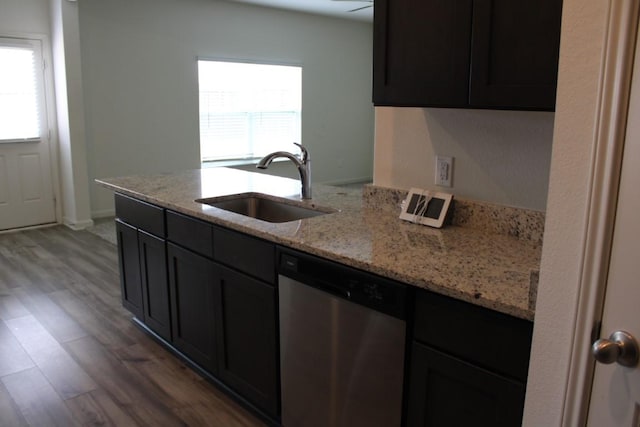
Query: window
247 110
22 114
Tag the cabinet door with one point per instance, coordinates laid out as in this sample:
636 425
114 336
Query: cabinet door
155 286
247 351
445 391
130 280
438 318
421 52
515 53
193 282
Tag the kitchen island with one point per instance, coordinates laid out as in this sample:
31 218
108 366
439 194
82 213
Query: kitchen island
477 264
435 323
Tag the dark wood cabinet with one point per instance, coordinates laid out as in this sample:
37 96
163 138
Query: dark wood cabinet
211 294
447 391
129 262
250 255
247 354
468 364
194 283
190 233
143 263
224 319
140 214
421 52
155 286
500 54
515 53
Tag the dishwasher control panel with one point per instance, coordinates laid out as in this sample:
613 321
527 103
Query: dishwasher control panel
355 285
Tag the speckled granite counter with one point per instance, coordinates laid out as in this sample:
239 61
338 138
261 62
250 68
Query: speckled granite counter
484 262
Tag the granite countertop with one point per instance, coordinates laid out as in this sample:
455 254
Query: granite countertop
476 264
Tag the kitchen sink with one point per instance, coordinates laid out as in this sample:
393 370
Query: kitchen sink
266 208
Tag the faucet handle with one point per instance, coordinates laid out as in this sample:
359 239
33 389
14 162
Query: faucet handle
304 157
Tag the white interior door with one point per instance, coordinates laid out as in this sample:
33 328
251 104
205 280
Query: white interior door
26 184
615 397
26 190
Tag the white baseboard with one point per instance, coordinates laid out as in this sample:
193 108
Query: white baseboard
31 227
79 225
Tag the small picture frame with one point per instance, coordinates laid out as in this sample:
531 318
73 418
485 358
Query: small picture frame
426 207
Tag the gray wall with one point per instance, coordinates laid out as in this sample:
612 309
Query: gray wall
140 92
24 16
140 83
501 157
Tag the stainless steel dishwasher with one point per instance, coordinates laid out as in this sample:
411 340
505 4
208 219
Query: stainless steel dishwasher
342 344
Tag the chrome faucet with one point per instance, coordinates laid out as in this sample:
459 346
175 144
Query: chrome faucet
303 163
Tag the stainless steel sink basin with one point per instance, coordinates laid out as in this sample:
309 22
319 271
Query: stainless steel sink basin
265 208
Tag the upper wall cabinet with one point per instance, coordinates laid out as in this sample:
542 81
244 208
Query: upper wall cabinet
496 54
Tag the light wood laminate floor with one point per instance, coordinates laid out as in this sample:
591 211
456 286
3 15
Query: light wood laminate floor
70 354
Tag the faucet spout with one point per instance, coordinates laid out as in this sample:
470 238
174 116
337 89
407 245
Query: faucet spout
303 163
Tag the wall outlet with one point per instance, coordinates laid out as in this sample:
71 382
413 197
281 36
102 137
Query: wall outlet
444 171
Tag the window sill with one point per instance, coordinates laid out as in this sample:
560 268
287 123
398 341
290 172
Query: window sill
228 163
235 162
20 141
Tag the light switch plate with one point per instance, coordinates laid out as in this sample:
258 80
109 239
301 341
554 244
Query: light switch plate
444 171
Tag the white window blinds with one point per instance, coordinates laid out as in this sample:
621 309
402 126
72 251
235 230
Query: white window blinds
248 110
21 90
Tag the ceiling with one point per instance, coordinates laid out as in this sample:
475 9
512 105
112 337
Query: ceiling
336 8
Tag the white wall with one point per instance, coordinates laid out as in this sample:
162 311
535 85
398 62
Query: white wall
140 82
500 156
24 16
72 153
55 20
583 31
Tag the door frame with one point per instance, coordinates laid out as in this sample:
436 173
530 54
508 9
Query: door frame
50 111
611 120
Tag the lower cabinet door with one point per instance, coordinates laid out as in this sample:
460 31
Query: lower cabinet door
155 286
446 391
194 284
129 261
247 351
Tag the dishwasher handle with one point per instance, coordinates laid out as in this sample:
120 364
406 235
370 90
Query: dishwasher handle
289 264
326 287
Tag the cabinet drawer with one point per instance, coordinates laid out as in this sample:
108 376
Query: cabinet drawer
143 215
190 233
485 337
247 254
